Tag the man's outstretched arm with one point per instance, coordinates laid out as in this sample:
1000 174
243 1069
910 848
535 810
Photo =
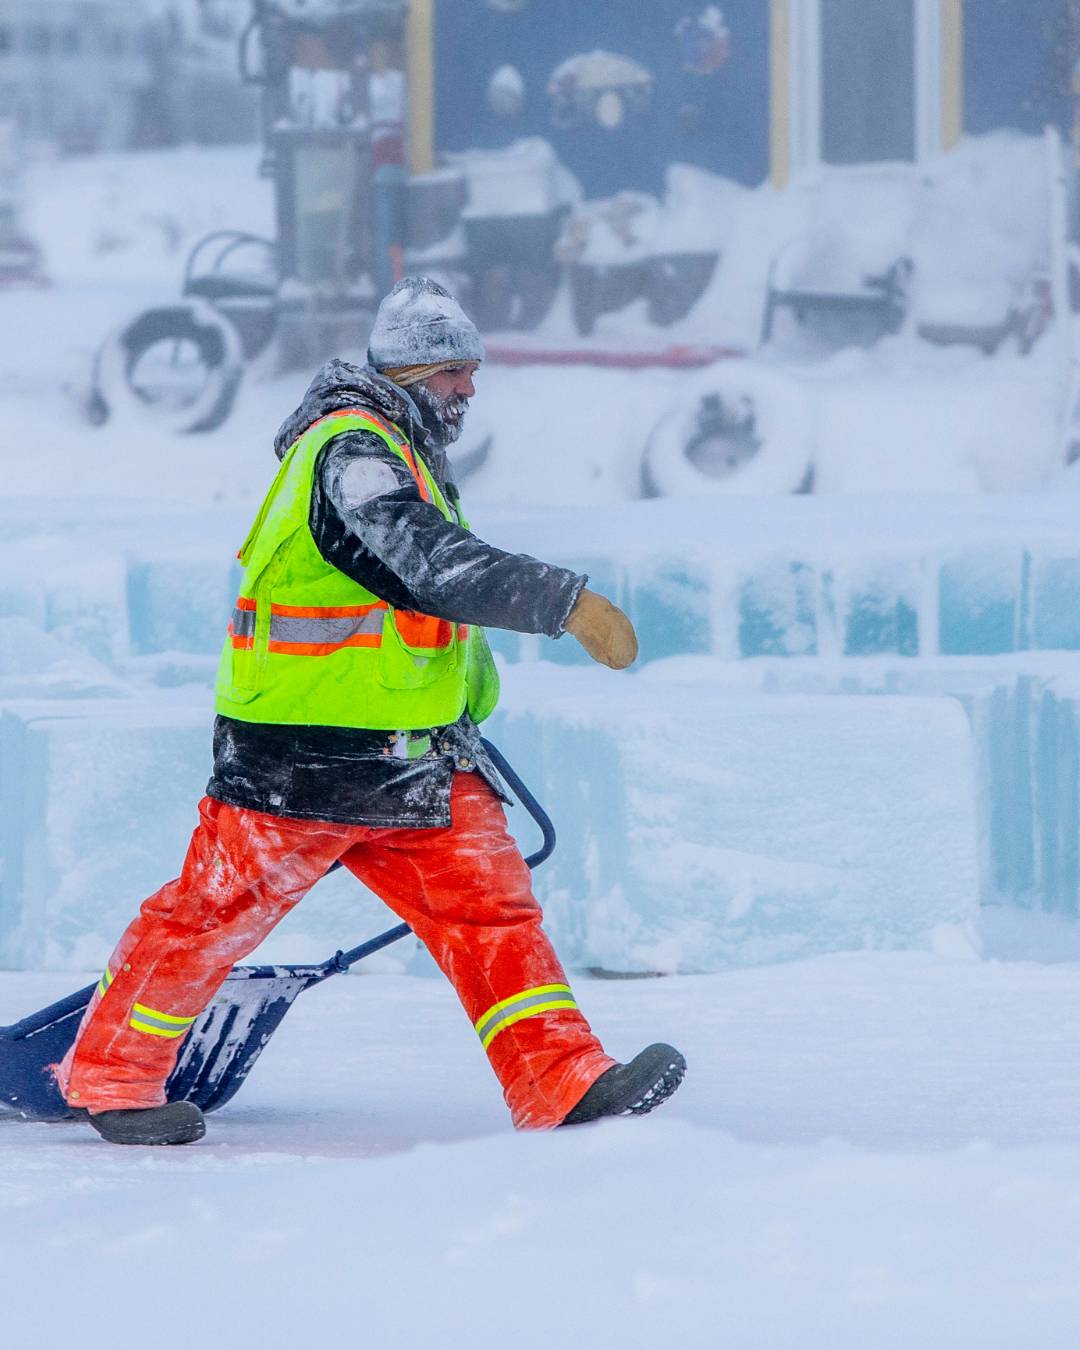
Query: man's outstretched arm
408 553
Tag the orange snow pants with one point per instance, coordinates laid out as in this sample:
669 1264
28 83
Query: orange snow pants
464 890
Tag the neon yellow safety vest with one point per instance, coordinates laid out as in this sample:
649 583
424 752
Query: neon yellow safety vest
309 646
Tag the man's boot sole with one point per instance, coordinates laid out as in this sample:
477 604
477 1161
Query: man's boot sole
671 1070
659 1070
176 1123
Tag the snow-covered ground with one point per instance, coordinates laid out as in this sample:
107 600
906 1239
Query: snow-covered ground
867 1151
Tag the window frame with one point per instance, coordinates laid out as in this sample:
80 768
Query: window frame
805 81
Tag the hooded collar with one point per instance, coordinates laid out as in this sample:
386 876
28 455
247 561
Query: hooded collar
339 385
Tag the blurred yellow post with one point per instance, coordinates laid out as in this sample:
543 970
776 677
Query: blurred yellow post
780 92
420 63
952 72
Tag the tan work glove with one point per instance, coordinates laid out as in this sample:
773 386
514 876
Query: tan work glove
603 630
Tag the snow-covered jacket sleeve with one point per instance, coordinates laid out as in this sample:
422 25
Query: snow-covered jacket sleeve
370 521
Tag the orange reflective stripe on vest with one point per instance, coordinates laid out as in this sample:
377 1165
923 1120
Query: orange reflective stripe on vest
320 630
423 630
310 630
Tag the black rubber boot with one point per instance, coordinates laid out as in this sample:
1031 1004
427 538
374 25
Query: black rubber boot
632 1089
176 1123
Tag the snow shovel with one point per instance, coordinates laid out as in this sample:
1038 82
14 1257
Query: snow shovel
227 1039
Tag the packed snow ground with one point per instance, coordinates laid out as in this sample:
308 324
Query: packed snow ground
869 1151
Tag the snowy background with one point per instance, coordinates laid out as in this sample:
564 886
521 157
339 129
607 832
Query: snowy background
830 823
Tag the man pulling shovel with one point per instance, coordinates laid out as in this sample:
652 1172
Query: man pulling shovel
353 679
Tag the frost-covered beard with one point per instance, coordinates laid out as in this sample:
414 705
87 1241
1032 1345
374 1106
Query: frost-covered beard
442 416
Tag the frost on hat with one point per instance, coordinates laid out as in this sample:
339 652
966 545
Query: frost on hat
420 323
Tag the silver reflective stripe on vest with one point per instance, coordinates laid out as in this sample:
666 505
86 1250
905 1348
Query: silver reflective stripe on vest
324 632
309 631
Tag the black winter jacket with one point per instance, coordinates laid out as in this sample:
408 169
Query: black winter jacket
369 521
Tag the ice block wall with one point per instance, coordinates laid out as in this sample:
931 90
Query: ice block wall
97 799
983 600
1024 714
743 580
937 638
759 828
701 829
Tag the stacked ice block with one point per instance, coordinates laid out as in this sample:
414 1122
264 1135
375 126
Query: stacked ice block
760 828
98 799
822 578
1024 713
823 685
702 828
979 601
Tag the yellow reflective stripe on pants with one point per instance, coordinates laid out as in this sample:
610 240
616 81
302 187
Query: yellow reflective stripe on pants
529 1003
104 982
155 1023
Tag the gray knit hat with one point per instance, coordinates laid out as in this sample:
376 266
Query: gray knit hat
420 323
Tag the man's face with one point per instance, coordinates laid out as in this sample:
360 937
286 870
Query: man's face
443 400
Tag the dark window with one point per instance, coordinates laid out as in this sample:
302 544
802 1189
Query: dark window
116 43
5 38
1016 66
867 80
70 41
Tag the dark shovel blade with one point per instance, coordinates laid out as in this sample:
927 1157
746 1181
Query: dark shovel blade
28 1048
228 1038
216 1057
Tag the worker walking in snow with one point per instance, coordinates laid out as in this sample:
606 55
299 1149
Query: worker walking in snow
352 681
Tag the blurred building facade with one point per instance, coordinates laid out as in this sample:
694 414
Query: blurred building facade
74 72
750 89
90 75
